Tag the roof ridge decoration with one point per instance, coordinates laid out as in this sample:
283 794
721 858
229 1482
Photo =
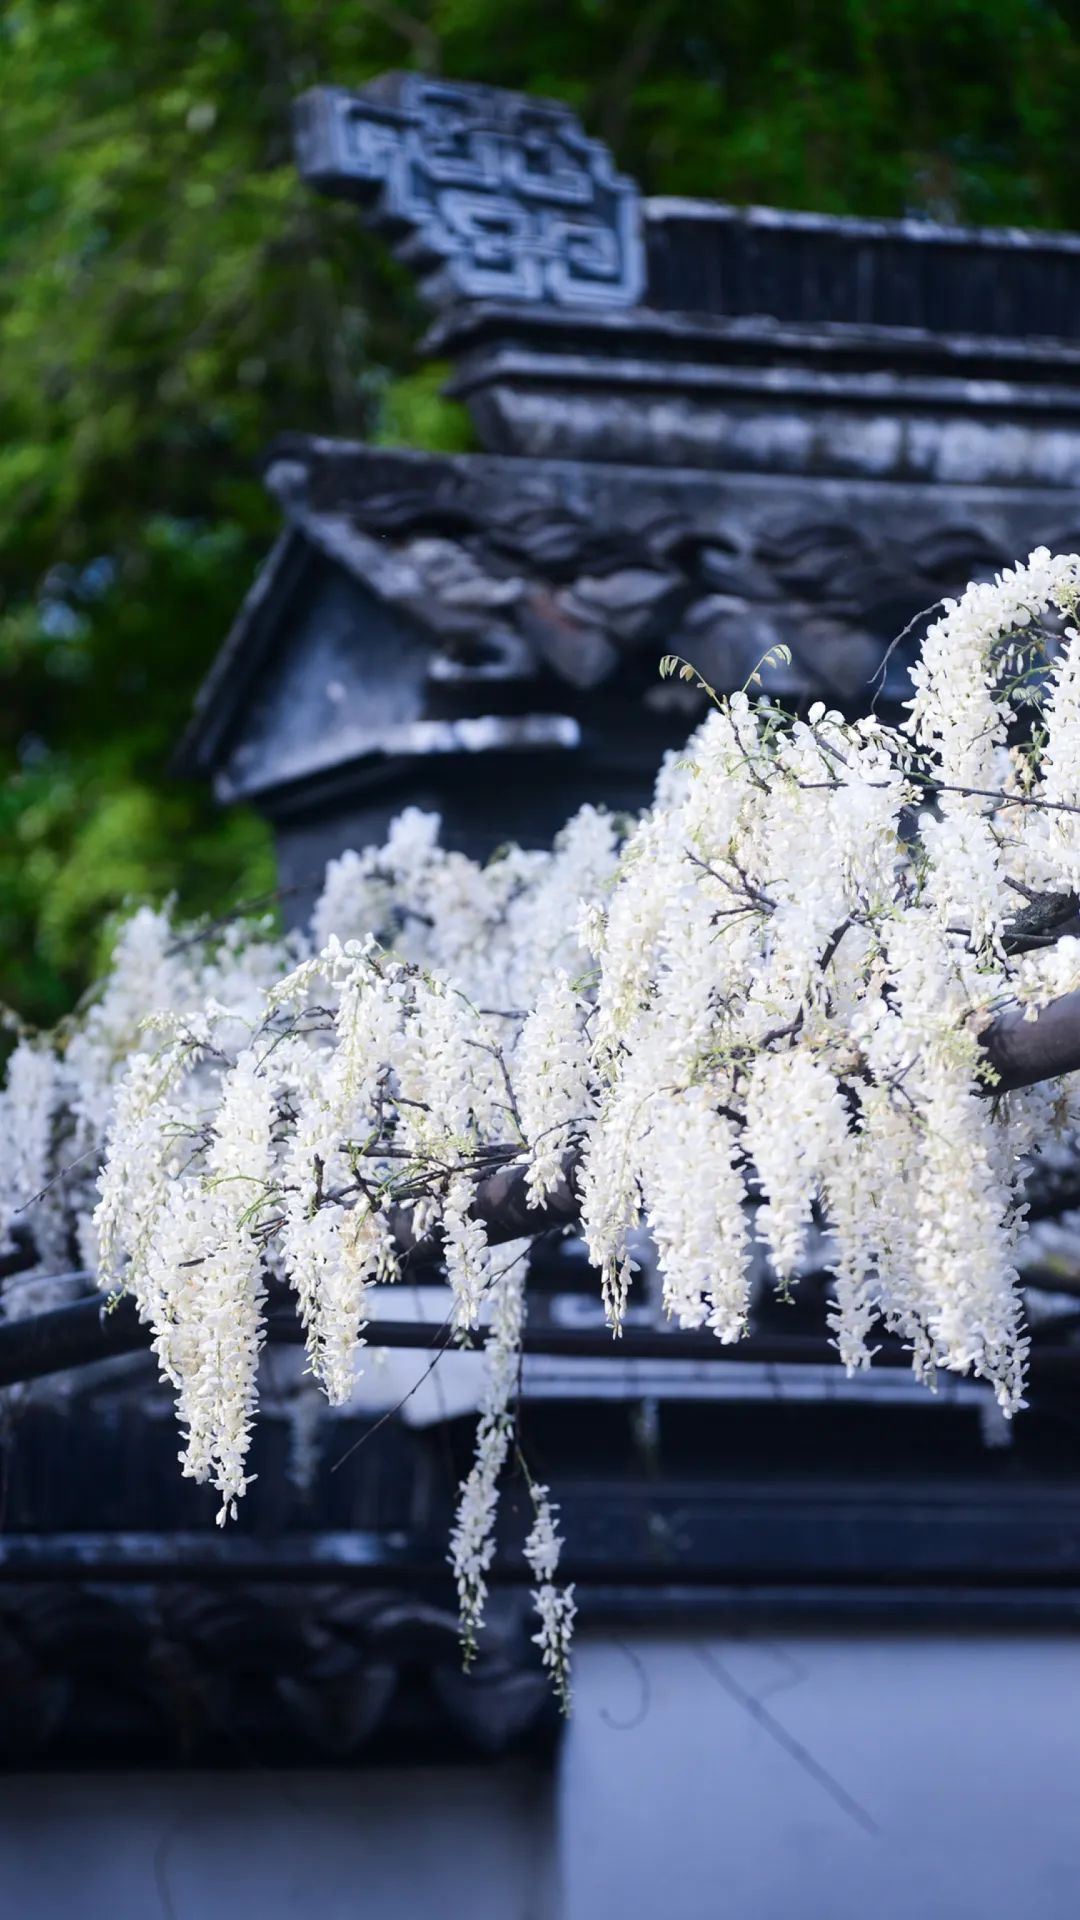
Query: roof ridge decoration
491 195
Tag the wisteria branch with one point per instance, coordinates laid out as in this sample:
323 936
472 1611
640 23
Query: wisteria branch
1020 1051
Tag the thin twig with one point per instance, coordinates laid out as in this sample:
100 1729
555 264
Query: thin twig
405 1398
923 614
62 1175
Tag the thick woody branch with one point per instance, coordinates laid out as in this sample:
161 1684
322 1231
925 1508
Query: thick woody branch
1022 1052
1045 918
501 1204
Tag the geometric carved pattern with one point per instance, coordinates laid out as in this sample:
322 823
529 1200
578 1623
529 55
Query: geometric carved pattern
491 195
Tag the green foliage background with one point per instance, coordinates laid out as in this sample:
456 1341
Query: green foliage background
171 297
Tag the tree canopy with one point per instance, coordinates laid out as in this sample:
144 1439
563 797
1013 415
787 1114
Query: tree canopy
171 297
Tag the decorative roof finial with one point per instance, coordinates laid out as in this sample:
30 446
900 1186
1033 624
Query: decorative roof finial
491 195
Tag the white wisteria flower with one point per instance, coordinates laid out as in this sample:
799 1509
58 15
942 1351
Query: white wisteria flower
754 1019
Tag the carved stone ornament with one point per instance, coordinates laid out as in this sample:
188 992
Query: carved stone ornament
490 195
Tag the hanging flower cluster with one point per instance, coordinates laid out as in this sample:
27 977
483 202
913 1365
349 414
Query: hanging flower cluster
755 1016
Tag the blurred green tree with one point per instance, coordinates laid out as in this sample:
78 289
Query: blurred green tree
171 297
